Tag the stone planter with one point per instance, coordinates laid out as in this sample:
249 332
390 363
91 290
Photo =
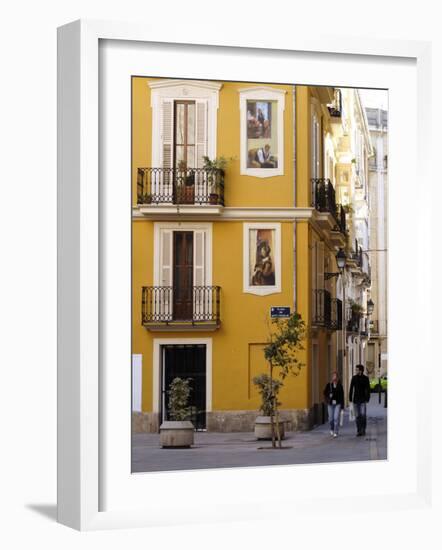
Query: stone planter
176 433
263 428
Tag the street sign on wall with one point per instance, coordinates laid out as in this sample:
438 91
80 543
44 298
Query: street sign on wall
280 312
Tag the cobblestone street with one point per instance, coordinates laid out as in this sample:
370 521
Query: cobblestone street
230 450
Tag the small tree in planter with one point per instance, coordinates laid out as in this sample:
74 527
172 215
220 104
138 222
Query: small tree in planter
178 431
179 393
281 354
268 390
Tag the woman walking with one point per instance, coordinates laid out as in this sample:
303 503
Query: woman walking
334 397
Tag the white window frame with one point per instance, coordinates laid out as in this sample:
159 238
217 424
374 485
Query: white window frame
316 138
191 90
261 93
262 290
160 227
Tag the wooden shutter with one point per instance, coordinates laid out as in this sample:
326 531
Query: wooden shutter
315 147
164 301
164 183
201 132
166 133
201 297
320 264
314 266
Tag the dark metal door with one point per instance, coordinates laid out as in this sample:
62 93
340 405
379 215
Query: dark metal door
182 275
186 361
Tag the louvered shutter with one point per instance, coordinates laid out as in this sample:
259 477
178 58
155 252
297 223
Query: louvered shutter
164 182
314 266
201 132
202 303
315 147
320 265
164 301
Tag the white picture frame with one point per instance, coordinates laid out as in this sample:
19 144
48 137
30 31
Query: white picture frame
261 290
262 93
85 384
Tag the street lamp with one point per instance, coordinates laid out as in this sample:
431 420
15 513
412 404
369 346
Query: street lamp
370 306
341 261
341 258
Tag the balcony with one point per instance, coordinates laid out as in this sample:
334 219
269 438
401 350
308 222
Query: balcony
167 308
322 308
354 322
359 262
335 108
336 314
327 311
365 327
331 216
170 190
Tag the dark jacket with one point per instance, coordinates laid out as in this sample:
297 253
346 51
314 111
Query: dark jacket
334 394
359 389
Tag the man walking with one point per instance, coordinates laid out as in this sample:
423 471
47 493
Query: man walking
359 396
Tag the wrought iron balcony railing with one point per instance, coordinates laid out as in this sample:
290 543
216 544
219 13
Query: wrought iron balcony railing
335 109
324 200
336 314
198 186
356 254
354 322
322 308
166 304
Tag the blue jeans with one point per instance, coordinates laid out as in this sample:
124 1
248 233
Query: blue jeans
361 416
333 416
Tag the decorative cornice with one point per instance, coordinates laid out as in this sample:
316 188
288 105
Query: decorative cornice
170 82
265 89
184 212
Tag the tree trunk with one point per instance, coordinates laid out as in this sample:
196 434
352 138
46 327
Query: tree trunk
278 433
272 418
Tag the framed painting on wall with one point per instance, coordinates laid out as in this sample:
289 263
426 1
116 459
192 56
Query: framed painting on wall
96 486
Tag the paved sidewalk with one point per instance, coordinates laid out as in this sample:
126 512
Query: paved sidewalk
230 450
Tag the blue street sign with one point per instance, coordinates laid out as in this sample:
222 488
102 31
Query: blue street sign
279 311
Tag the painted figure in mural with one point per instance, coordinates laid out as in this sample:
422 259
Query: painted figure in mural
264 273
265 158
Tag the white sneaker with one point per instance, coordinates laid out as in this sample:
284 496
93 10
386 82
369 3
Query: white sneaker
331 432
335 435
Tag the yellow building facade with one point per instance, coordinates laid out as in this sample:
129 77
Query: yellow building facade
216 245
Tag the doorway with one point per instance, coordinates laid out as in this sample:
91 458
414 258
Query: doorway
186 361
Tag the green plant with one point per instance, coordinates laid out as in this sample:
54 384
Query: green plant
179 393
268 390
280 352
355 307
218 163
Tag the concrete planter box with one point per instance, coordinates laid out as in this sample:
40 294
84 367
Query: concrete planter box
263 428
175 433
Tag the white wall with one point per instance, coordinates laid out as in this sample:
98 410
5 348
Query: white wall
28 279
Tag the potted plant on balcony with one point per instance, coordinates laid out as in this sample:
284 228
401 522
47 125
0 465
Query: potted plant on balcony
185 184
268 391
215 168
178 431
281 354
